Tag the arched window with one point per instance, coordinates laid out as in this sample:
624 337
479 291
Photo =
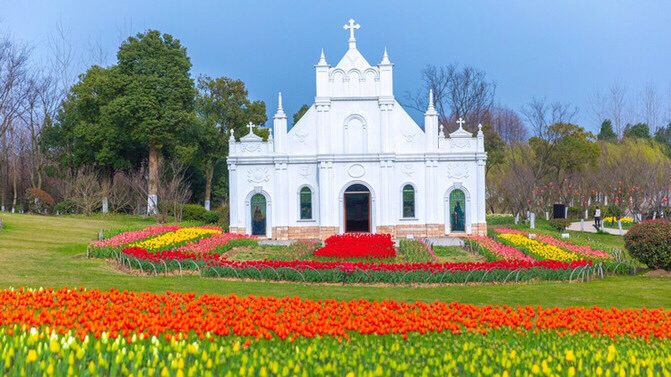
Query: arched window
457 211
408 201
258 208
306 203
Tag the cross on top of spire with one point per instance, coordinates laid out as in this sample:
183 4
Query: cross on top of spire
351 26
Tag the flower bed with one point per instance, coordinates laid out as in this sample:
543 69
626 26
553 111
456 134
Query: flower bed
178 237
539 249
495 250
68 332
358 245
128 237
582 250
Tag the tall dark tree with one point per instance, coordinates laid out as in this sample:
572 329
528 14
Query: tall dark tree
86 134
606 132
222 105
299 114
638 131
156 97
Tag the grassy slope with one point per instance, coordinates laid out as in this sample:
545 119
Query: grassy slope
38 251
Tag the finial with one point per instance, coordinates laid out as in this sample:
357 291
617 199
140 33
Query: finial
250 126
351 26
270 134
480 130
232 138
385 57
441 132
461 122
280 111
322 59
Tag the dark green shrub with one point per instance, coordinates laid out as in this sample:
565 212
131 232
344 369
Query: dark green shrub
614 211
560 224
211 217
193 212
650 243
500 219
66 207
575 213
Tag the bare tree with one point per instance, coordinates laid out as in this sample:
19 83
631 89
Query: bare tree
173 192
13 81
458 93
617 104
83 189
650 108
598 107
508 125
540 115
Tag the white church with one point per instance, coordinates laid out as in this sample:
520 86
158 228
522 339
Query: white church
357 162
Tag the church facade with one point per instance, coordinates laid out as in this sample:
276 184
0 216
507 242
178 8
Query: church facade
357 162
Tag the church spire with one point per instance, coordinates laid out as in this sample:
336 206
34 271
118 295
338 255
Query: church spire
280 112
351 26
322 59
385 57
430 109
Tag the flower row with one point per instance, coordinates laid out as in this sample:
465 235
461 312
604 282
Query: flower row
538 249
581 250
358 245
499 352
115 313
129 237
171 239
499 250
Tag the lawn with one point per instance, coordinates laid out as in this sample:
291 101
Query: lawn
38 251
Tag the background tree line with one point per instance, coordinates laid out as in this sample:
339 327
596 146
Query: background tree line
142 135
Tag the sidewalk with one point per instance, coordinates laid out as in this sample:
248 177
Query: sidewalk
589 227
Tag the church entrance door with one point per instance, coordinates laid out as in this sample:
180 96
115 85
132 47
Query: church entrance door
258 208
357 209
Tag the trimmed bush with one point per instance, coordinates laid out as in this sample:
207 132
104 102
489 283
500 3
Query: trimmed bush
650 243
66 207
39 201
560 224
193 212
211 217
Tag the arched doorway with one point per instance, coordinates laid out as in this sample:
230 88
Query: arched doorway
357 209
457 211
258 214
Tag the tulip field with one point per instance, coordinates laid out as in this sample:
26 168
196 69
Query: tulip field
91 332
117 332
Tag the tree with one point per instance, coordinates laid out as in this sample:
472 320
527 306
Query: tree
638 131
222 105
540 115
458 93
299 114
87 132
606 132
566 148
508 125
156 97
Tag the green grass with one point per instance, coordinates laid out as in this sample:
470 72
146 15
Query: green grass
456 254
38 251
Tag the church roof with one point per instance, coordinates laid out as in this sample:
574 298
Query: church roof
353 59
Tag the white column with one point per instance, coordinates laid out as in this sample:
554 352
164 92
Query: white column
482 207
233 200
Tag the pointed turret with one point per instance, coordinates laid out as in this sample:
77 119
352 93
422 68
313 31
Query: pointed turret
322 72
431 125
386 76
279 127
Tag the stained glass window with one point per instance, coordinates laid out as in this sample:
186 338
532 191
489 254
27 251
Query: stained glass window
306 203
258 208
408 201
457 211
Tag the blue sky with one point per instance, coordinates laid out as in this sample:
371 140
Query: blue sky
562 50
